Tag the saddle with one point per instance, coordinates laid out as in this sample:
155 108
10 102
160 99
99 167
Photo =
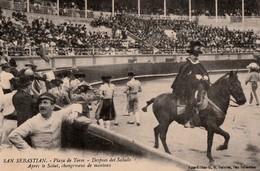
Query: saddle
181 103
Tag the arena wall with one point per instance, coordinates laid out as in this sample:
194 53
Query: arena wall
142 65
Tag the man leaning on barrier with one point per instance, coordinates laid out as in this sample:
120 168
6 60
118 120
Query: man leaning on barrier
44 129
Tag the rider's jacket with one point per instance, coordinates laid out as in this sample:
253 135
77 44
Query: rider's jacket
190 75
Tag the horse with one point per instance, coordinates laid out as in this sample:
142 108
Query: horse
212 117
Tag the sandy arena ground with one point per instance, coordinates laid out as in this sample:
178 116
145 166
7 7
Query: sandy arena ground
242 123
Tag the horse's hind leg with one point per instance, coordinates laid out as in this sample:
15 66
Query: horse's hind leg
220 131
163 132
156 134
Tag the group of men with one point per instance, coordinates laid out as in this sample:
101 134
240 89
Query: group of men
29 106
28 103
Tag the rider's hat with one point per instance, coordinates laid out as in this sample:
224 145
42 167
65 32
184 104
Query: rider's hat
193 44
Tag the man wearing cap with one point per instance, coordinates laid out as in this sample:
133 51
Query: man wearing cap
5 77
133 87
44 129
192 77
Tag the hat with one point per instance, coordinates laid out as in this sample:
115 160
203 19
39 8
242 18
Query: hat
130 74
253 65
24 80
28 72
12 63
13 82
193 44
57 82
5 66
257 45
31 65
103 78
84 88
79 75
47 96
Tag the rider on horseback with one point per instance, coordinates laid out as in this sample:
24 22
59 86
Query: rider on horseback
192 78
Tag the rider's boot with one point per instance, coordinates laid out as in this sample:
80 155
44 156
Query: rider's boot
190 112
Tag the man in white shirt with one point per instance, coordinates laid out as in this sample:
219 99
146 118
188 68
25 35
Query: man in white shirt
5 77
44 129
9 116
133 87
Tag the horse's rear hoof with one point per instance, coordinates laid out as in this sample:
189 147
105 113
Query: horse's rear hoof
212 163
222 147
156 146
144 109
168 152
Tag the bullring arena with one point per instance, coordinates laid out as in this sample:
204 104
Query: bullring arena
63 36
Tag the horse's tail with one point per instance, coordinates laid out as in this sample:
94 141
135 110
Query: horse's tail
144 109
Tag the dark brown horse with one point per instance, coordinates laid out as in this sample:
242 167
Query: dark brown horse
165 111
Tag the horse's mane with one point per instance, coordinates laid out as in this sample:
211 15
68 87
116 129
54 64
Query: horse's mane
220 80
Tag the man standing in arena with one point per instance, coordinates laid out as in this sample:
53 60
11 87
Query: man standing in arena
192 77
133 86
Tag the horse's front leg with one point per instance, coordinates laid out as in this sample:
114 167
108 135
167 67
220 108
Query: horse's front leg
226 135
209 147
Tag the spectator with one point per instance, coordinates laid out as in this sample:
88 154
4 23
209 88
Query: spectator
9 114
13 66
24 103
62 97
5 77
44 135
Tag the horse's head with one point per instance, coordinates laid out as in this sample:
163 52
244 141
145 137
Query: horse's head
235 88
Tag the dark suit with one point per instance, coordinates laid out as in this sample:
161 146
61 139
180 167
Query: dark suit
25 105
186 84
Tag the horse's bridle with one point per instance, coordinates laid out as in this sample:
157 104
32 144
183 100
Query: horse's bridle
216 107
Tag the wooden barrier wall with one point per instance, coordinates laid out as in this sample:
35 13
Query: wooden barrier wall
118 66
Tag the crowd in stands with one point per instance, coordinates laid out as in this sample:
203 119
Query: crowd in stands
76 8
64 36
149 35
19 16
151 32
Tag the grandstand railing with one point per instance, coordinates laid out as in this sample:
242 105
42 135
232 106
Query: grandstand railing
52 51
41 9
